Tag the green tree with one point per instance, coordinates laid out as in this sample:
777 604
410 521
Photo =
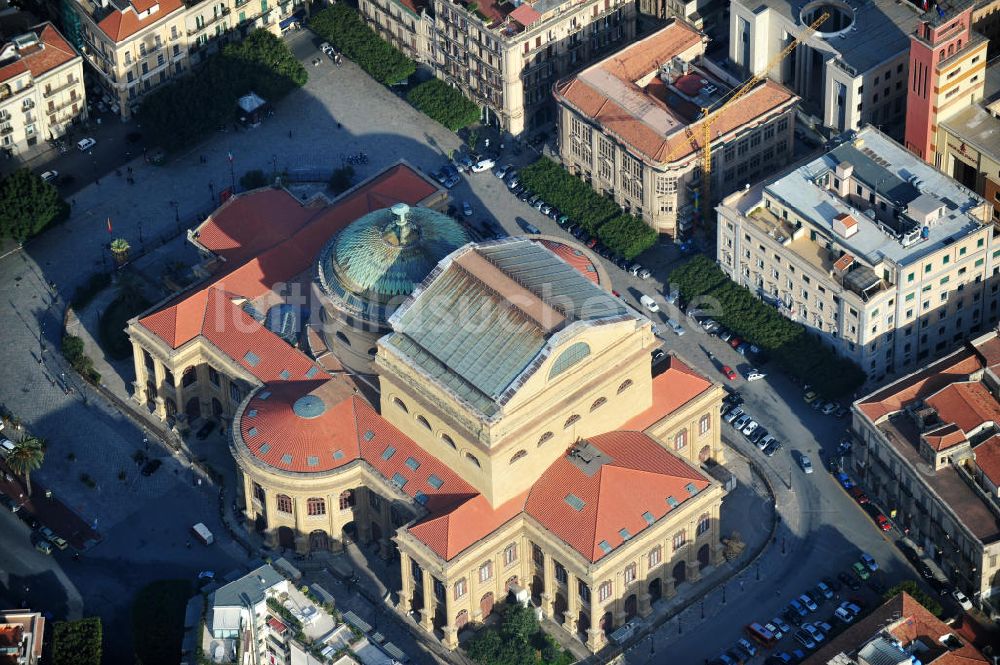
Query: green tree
911 587
253 179
27 456
519 622
445 104
342 179
77 642
28 205
344 28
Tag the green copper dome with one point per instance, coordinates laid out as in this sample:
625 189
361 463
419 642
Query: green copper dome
381 257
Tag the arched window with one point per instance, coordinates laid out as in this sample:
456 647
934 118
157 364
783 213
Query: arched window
447 439
604 591
518 455
284 503
423 421
189 376
572 420
346 499
315 506
461 619
704 522
681 440
573 354
704 424
343 338
626 384
545 437
472 458
598 403
400 404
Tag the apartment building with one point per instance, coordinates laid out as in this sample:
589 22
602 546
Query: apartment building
506 56
21 635
851 71
41 88
948 67
901 631
134 46
630 125
986 21
888 260
930 454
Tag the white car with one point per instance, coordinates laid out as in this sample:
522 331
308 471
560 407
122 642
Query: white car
649 303
962 599
755 375
83 145
765 442
483 165
807 466
676 327
49 176
741 422
749 428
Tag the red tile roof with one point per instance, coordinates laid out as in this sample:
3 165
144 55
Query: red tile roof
901 394
987 455
639 478
945 437
525 14
659 135
451 532
675 387
52 51
966 404
573 256
120 25
347 429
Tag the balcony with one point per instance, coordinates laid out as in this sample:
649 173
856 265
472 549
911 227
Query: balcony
65 86
52 110
211 20
6 129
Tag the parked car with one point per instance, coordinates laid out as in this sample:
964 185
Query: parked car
730 374
860 570
883 522
649 303
851 607
528 228
484 164
850 580
758 435
502 171
744 645
806 464
798 607
9 503
676 327
43 546
869 561
829 408
734 414
858 494
50 536
808 602
814 631
843 614
824 590
750 427
50 176
805 639
810 396
782 626
83 145
466 209
643 273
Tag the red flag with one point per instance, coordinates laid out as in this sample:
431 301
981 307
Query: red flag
109 225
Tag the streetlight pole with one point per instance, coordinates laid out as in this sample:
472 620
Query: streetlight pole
702 608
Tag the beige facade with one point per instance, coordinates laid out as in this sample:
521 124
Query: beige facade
151 42
709 16
923 441
504 57
637 147
41 89
871 285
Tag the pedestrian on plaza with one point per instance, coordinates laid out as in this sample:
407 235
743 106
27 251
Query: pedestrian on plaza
289 133
97 181
339 126
189 544
130 170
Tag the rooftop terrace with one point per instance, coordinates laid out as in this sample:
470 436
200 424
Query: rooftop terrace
881 165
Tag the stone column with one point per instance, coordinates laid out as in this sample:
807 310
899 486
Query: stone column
139 385
595 636
572 603
669 587
160 374
406 590
450 630
548 585
427 613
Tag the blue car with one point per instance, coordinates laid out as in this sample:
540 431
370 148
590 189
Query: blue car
845 481
799 608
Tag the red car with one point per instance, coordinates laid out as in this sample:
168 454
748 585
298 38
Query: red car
735 341
728 371
858 495
883 522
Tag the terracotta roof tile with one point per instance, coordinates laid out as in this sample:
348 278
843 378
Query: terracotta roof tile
945 437
967 404
52 52
450 532
120 25
525 14
988 458
898 396
639 478
675 387
906 620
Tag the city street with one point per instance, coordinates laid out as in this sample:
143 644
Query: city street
144 523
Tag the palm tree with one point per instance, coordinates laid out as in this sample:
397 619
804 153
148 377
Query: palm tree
27 456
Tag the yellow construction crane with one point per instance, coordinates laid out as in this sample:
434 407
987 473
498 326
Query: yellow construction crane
709 115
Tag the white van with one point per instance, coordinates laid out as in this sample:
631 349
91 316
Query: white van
203 534
649 304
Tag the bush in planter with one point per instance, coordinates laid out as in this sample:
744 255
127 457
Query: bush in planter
447 105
